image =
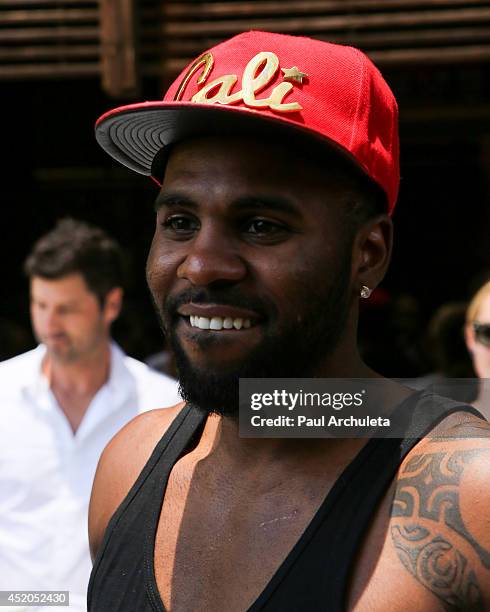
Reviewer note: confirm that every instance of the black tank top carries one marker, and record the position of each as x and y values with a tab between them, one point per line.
314	575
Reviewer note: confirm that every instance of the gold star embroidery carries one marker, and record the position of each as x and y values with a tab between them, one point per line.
294	74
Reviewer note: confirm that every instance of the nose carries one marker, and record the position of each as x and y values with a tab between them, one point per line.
212	258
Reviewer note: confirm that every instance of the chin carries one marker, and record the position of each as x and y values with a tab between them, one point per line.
210	391
215	363
58	355
483	373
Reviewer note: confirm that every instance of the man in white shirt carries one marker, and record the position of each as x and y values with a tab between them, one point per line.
60	405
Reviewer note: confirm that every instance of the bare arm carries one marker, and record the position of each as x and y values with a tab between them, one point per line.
120	465
440	524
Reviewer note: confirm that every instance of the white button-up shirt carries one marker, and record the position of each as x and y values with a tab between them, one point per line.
46	471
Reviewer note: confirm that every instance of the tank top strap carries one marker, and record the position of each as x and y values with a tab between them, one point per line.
164	455
140	503
426	413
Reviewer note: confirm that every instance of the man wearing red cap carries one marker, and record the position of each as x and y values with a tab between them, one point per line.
278	163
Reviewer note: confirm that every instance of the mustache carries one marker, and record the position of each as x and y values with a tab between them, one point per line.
46	337
223	297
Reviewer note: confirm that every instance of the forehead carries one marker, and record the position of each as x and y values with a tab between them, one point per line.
240	161
71	286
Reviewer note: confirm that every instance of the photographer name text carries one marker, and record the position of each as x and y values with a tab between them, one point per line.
322	421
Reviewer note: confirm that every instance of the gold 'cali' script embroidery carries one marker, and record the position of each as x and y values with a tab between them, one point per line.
258	73
205	60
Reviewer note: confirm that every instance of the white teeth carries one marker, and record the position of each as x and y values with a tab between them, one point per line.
218	323
203	323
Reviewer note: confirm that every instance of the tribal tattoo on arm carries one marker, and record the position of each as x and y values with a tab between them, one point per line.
429	533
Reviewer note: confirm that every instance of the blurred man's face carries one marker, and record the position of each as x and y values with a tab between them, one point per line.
67	317
480	350
249	267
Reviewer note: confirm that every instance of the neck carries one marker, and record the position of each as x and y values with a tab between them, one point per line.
345	362
221	434
83	376
221	438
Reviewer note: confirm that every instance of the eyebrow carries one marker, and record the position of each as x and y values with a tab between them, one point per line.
257	202
171	199
69	304
265	202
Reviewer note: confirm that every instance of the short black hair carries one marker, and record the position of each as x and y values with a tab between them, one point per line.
74	246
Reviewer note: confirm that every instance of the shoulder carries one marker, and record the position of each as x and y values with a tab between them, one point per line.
14	371
35	355
439	519
144	374
153	388
461	433
120	465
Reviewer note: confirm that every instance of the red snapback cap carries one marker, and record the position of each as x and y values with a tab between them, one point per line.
331	92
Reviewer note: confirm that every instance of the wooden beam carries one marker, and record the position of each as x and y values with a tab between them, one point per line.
274	7
6	4
434	56
60	52
365	40
52	33
397	57
49	71
118	39
337	22
48	16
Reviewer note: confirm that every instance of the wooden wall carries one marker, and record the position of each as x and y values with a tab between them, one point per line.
122	40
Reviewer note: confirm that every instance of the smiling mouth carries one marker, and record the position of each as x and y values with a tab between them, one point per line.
219	323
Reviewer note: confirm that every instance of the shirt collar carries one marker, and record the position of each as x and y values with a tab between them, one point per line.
118	383
33	378
120	378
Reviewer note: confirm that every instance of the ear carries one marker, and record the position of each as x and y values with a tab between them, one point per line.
113	304
372	252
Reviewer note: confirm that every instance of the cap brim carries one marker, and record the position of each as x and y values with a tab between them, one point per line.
134	135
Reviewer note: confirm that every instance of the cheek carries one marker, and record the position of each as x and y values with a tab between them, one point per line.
35	319
319	259
161	268
40	321
297	276
80	325
481	361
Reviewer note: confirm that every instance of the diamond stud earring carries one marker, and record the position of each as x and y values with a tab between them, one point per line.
365	291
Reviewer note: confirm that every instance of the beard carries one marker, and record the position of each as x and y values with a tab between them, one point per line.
293	351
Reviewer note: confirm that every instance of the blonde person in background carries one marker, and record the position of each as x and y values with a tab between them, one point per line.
477	335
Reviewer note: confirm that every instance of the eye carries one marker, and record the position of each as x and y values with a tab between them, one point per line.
181	224
265	229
